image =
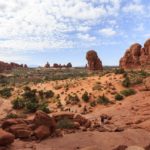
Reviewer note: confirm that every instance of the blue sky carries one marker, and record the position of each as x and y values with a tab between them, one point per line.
62	31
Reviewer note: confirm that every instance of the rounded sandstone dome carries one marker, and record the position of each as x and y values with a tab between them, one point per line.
91	55
136	49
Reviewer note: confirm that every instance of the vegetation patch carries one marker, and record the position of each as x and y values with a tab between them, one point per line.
103	100
6	92
30	101
65	123
85	97
128	92
118	97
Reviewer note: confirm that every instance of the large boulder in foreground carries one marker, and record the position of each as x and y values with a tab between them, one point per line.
136	57
42	118
6	138
94	63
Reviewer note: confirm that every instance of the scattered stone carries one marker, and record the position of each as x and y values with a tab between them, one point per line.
6	138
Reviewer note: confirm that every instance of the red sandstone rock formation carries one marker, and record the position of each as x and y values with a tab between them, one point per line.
69	65
6	66
47	65
136	57
94	63
55	65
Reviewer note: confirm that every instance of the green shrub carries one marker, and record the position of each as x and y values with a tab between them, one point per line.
29	95
44	107
49	94
126	82
85	97
119	71
72	99
6	92
31	107
128	92
93	103
18	103
41	94
118	97
103	100
65	124
11	116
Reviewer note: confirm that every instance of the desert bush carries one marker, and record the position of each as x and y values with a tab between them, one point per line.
144	73
41	94
5	92
11	116
85	97
18	103
65	124
128	92
29	95
119	71
118	97
49	94
72	99
59	104
31	107
126	82
93	103
103	100
44	107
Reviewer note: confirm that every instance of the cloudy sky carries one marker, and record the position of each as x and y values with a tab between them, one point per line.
37	31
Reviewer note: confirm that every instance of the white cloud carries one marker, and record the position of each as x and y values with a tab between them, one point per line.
51	19
86	37
107	32
134	7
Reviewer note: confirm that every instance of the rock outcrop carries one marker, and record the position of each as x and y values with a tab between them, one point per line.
94	63
6	138
9	66
47	65
69	65
136	57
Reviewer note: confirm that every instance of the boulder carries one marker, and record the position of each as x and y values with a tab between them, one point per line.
82	121
62	115
21	130
42	118
94	63
42	132
6	138
9	122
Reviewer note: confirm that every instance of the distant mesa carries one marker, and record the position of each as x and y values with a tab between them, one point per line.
9	66
136	57
94	63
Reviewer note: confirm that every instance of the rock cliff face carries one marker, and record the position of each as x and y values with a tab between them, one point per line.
6	66
94	63
136	57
